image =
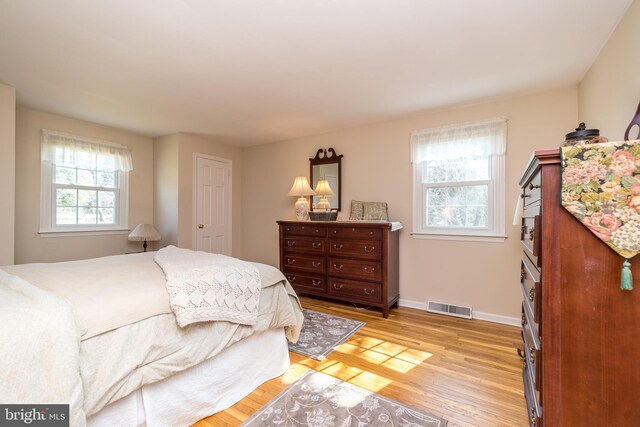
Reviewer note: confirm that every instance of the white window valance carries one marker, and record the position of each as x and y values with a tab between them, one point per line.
52	140
477	139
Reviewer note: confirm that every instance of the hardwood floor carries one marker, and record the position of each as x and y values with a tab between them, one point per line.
467	372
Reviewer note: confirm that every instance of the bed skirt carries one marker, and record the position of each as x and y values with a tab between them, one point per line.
207	388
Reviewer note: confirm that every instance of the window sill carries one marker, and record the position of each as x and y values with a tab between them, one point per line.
47	234
460	237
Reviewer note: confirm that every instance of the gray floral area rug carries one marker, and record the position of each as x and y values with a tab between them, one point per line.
322	332
318	400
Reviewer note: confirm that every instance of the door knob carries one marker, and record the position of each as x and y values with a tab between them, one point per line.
200	225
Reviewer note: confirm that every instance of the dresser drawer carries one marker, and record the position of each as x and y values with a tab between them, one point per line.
533	405
355	248
354	290
355	233
530	237
304	244
357	269
301	282
533	356
531	288
304	230
531	192
308	263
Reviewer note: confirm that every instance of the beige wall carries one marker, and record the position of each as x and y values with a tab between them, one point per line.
190	144
165	188
610	91
29	246
7	172
483	275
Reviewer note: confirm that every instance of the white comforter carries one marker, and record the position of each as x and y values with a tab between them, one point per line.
119	353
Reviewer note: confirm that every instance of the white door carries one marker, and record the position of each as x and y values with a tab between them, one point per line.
212	204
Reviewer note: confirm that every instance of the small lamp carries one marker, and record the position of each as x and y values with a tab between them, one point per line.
301	189
146	233
323	189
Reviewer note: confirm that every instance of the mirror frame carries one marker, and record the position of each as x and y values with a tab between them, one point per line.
324	157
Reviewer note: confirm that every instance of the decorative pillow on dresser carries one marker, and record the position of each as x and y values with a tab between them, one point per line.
356	210
375	211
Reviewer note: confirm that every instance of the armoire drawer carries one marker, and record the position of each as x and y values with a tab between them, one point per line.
531	288
367	270
533	405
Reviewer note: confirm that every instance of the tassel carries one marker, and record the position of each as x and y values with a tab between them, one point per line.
627	280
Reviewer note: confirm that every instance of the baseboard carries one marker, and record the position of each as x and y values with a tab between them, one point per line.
479	315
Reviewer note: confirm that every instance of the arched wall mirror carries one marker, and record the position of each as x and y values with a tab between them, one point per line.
326	165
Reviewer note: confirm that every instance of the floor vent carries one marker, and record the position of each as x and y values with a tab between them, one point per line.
450	309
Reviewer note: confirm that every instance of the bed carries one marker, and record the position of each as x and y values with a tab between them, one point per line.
101	335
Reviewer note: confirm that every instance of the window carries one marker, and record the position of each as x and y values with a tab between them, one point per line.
458	190
84	184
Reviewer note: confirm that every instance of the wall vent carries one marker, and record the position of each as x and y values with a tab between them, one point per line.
450	309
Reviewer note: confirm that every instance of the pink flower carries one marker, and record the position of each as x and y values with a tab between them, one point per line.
584	172
624	163
602	225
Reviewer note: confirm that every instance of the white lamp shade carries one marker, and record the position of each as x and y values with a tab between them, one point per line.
144	232
323	188
301	187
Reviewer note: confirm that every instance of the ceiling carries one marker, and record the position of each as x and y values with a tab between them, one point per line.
255	71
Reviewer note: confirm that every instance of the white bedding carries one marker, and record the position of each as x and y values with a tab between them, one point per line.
130	339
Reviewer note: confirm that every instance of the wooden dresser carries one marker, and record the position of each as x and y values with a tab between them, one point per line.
581	332
350	261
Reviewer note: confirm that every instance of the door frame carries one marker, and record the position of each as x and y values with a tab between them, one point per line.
194	199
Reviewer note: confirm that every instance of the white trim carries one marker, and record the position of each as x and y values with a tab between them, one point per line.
194	192
497	318
477	315
47	234
459	237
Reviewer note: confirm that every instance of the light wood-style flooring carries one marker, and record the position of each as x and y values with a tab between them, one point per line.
467	372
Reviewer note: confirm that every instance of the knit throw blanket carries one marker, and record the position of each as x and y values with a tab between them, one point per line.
205	287
601	188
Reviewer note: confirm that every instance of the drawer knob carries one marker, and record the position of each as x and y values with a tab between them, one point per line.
369	291
337	286
369	249
533	417
532	294
335	231
316	282
371	233
291	278
287	229
531	232
531	186
291	243
520	353
522	196
532	356
523	275
523	319
369	270
316	245
291	261
337	247
315	264
338	267
317	230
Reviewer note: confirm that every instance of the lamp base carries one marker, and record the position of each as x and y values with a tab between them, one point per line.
302	209
323	204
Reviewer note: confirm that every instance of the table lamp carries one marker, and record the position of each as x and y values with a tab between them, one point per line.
301	189
146	233
323	189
